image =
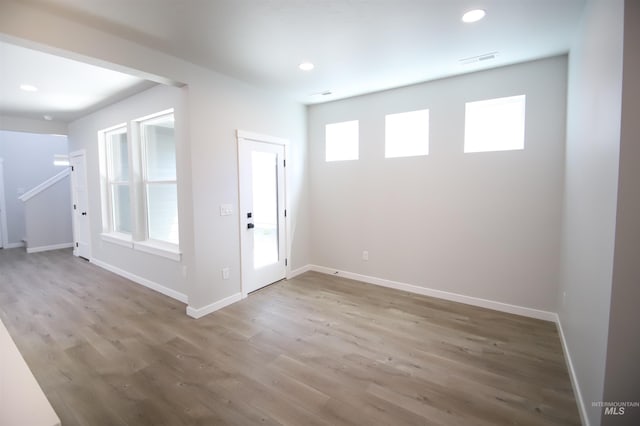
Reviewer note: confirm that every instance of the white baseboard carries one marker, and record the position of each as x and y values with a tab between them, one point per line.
454	297
47	248
294	273
14	245
142	281
200	312
582	409
206	310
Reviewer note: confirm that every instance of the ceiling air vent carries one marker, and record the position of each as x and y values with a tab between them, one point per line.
325	93
480	58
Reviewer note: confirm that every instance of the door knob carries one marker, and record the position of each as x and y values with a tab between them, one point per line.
250	226
84	213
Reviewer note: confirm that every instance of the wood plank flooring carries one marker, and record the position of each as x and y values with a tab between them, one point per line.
314	350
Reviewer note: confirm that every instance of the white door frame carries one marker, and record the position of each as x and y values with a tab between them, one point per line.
4	241
256	137
79	153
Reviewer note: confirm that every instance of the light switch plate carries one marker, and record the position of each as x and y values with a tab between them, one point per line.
226	209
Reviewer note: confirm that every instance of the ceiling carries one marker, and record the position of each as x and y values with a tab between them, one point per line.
357	46
66	89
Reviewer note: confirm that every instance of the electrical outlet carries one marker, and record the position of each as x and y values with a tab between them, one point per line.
225	273
365	255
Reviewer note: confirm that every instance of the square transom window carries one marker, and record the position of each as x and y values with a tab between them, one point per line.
407	134
341	141
495	124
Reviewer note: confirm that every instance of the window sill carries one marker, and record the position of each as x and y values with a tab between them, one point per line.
158	248
168	251
123	240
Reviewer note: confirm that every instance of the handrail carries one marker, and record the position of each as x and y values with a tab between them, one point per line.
44	185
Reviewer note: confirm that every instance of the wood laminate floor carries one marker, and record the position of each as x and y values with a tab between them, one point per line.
314	350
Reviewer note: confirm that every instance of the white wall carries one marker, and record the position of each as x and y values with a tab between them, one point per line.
83	135
622	373
591	187
48	218
485	224
28	161
216	107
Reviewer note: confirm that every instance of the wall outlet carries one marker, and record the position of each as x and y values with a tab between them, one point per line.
365	255
225	273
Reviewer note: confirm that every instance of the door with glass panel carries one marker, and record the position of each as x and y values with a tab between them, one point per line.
262	212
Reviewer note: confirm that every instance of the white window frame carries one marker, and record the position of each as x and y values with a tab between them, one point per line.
389	137
473	133
147	243
139	237
106	165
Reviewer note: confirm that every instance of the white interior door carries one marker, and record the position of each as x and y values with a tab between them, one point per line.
262	212
81	226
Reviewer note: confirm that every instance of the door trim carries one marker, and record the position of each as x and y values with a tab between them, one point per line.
3	209
257	137
241	134
80	153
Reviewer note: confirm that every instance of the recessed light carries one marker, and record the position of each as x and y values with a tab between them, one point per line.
28	88
306	66
47	117
473	15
